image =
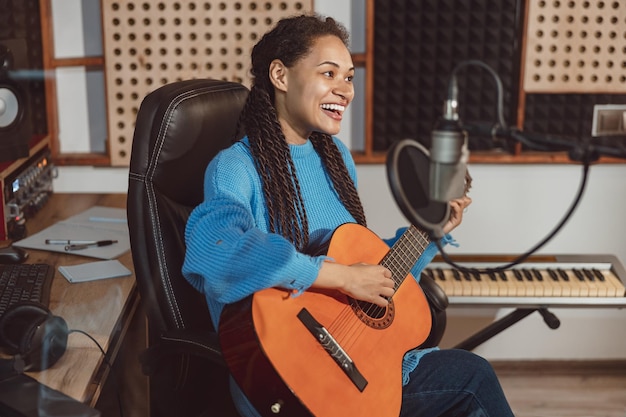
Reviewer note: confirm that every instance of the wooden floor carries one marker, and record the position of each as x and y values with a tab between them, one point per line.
565	389
534	389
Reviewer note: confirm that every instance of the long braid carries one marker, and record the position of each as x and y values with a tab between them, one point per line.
270	150
336	167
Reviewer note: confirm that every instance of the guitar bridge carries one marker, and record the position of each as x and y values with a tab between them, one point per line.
332	347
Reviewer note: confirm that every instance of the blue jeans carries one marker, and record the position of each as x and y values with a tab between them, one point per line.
454	383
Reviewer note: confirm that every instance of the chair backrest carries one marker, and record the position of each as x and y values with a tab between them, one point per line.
180	127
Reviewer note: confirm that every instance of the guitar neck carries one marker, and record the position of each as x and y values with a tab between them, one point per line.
404	253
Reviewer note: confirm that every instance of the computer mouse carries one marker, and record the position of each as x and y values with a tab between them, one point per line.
12	255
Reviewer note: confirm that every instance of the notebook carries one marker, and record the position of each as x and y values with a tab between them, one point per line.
91	271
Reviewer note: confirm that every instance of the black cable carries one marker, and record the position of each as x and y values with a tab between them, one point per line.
525	256
108	363
453	88
586	154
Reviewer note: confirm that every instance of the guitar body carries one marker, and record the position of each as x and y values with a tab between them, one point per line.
271	350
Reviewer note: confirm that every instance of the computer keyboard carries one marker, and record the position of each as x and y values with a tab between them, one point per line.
25	282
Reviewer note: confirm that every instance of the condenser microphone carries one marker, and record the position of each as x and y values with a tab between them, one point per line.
448	155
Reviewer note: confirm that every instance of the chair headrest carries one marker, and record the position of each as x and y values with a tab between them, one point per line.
180	128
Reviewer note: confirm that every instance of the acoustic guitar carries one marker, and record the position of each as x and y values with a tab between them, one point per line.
323	353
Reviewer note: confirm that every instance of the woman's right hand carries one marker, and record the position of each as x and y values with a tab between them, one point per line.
370	283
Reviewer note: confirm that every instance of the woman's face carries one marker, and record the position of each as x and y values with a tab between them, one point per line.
316	91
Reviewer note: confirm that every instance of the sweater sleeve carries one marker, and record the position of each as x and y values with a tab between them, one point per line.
228	255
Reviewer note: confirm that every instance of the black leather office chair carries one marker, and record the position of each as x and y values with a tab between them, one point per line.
180	127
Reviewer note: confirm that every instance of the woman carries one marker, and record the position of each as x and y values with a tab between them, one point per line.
286	186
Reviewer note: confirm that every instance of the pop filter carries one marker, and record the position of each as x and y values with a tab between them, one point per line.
408	173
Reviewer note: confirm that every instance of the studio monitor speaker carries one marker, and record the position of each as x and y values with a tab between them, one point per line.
16	127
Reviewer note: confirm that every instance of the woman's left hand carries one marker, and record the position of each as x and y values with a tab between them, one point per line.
456	213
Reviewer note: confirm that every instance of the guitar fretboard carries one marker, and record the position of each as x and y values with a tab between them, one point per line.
404	253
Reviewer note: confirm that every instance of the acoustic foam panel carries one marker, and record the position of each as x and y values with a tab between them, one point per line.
568	115
417	45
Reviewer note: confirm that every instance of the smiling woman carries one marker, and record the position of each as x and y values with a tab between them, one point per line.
272	199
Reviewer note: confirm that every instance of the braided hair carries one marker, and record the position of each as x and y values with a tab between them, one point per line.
289	41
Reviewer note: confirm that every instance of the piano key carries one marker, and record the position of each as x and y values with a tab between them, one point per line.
573	283
615	286
589	275
598	274
536	281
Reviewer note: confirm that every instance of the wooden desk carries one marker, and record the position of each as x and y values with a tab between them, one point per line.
102	308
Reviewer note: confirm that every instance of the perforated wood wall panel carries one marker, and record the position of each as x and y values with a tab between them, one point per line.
576	47
150	43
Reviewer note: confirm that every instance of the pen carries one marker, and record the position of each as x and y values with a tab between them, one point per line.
68	242
106	219
72	247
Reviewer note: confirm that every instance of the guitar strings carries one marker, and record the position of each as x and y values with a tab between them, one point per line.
347	328
401	259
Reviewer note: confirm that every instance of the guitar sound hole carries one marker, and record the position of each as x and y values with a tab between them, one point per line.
372	310
373	315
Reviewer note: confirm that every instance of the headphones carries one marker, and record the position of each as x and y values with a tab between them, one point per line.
34	335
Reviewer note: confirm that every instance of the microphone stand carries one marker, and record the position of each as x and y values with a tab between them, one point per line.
584	152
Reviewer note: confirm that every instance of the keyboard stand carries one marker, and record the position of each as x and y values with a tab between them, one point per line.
504	323
526	305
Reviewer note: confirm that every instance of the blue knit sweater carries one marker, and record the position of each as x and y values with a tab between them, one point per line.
230	252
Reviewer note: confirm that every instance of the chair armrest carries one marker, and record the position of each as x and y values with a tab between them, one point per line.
436	297
182	342
438	302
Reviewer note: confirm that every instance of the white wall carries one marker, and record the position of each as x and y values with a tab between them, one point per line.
514	207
